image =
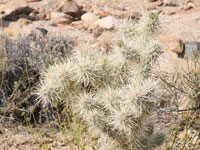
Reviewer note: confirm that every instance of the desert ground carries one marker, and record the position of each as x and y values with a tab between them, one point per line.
95	22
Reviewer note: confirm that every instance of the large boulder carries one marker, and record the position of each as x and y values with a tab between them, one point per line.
13	13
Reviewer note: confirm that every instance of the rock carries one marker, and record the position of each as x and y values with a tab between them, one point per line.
107	22
55	15
20	139
42	30
61	18
97	32
30	1
33	14
24	21
175	46
103	13
89	17
26	17
171	3
93	27
40	16
188	6
12	14
48	16
155	5
70	7
172	44
120	14
62	21
107	37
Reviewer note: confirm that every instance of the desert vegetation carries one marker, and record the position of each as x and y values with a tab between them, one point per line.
73	94
113	93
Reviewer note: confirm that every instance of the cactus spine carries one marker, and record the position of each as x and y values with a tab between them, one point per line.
115	92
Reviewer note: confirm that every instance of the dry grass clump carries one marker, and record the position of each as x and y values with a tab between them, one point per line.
183	96
22	60
113	93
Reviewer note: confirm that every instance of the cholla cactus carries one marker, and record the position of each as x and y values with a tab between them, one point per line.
138	43
87	70
112	93
121	113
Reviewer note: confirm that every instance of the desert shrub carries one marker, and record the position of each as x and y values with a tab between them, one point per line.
22	60
113	93
182	105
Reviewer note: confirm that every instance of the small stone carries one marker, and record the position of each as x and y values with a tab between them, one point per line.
48	16
55	15
42	30
102	13
97	32
120	14
33	14
41	16
93	27
70	7
62	21
155	5
124	14
172	44
89	17
20	139
171	3
107	22
61	18
107	37
24	21
42	10
188	6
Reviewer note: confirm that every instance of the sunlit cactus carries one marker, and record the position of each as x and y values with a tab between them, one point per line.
120	113
56	84
113	93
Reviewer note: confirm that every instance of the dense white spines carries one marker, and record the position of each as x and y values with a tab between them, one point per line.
114	93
